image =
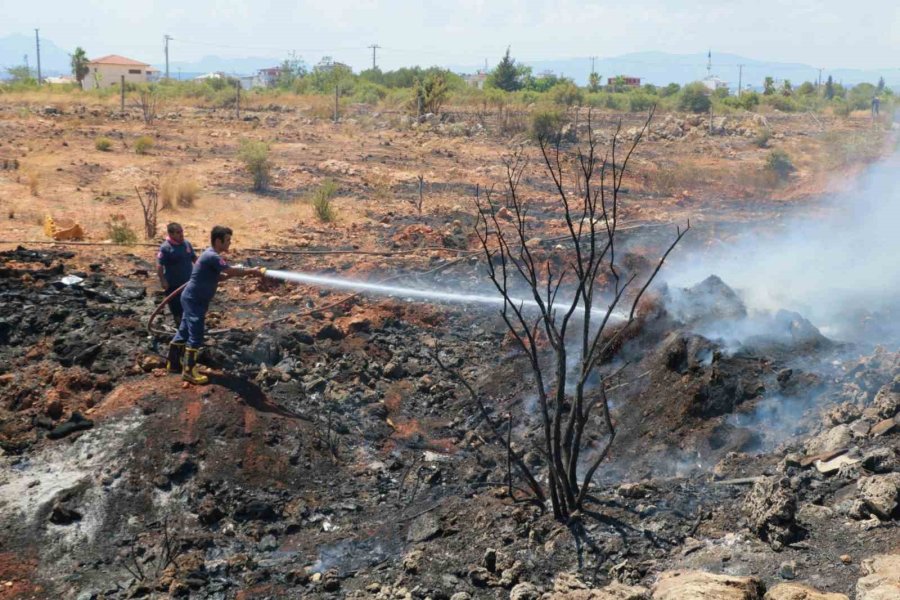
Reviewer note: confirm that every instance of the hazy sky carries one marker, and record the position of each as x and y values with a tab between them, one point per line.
827	33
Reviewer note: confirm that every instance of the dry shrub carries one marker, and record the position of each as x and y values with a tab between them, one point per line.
321	107
103	144
176	190
673	179
381	188
119	231
143	144
34	181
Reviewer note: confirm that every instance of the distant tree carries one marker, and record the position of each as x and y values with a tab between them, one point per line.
786	88
768	86
594	82
506	75
20	74
670	90
807	88
695	98
829	88
880	84
292	69
542	82
618	83
79	64
328	74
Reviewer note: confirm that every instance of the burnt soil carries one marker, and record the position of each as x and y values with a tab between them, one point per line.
331	457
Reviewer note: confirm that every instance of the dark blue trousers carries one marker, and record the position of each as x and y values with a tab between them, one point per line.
193	322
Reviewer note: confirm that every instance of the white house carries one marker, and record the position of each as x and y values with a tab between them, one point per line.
108	71
713	83
476	80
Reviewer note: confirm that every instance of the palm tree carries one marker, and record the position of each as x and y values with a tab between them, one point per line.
79	64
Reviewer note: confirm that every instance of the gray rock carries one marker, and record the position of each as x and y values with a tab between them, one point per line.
833	439
524	591
881	494
771	509
423	528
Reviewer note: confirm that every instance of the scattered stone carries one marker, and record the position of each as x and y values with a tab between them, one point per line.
489	561
881	494
771	508
881	580
524	591
76	422
634	491
846	559
880	460
329	332
267	544
461	596
423	528
883	428
832	440
412	561
788	570
795	591
697	585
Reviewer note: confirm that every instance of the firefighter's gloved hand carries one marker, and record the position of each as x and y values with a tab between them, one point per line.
262	272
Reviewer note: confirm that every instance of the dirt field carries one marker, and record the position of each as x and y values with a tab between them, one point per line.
330	456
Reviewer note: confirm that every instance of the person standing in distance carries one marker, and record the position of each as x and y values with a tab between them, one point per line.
209	269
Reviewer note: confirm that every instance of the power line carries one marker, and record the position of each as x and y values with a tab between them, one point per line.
374	47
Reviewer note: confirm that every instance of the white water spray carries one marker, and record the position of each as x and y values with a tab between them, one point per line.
409	292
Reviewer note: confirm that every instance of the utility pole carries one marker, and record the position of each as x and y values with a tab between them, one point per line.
37	41
740	79
167	37
819	80
374	47
593	59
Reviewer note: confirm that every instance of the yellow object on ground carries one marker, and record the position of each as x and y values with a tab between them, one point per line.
62	230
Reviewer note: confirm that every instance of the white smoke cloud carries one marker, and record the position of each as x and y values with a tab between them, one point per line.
838	265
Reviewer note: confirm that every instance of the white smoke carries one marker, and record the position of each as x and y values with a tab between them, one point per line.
838	265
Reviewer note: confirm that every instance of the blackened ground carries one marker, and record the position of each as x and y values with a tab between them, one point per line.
332	457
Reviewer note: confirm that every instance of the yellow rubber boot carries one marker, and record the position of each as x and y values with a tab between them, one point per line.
190	371
174	359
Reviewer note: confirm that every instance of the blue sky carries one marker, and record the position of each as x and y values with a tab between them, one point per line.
831	34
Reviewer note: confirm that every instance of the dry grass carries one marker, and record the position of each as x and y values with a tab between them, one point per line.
33	180
178	191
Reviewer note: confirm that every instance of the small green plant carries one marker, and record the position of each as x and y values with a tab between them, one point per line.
103	144
840	108
779	163
321	201
143	144
546	124
255	156
761	140
119	231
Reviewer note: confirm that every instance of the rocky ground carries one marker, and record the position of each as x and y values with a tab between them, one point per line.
332	458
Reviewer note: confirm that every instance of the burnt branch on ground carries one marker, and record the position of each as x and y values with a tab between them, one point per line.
588	185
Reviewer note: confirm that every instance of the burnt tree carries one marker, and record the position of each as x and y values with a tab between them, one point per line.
597	306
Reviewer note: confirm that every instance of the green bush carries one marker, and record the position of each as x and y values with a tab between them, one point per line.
255	156
321	201
779	163
566	94
143	144
103	144
119	231
546	124
784	103
640	102
840	108
761	140
368	93
695	98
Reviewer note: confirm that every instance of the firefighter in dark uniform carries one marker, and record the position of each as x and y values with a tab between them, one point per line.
209	269
174	263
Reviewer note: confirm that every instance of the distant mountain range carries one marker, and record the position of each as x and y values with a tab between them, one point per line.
658	68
